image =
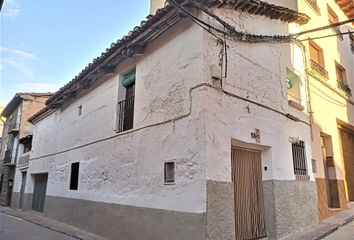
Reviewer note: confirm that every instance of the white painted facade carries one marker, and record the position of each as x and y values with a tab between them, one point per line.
132	172
180	114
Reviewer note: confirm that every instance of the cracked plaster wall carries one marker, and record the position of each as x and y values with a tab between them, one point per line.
256	72
128	169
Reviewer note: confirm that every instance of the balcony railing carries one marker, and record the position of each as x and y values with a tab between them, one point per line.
337	31
8	156
344	87
23	160
125	114
13	126
318	69
313	4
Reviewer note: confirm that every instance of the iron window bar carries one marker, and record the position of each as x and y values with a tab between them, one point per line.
125	114
318	68
299	158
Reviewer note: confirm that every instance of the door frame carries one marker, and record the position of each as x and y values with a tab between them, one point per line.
23	187
36	190
341	126
259	206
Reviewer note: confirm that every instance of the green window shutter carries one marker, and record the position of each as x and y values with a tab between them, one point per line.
128	79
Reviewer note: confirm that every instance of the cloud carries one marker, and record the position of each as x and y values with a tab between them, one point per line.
26	70
19	53
11	9
37	87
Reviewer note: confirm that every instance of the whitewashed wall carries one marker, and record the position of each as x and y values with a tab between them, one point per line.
128	169
257	72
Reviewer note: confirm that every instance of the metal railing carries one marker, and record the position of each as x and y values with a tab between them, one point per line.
313	4
318	68
13	126
125	114
344	87
337	30
23	160
8	156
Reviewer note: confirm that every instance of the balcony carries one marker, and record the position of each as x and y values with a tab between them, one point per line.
125	114
8	157
13	127
344	87
318	69
23	160
313	4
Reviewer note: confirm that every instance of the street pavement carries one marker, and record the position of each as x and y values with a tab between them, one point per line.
13	228
344	233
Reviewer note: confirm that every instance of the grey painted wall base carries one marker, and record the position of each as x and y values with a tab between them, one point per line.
15	200
122	222
27	201
290	206
220	211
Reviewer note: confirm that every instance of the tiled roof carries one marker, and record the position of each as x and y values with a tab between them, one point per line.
16	100
150	29
261	8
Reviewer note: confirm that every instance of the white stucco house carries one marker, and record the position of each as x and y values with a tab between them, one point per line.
182	129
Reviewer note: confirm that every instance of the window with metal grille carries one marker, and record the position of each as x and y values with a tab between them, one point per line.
299	158
74	178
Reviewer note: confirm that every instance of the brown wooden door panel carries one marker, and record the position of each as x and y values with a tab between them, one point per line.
347	139
249	199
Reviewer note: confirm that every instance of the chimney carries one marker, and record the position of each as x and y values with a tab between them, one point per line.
156	4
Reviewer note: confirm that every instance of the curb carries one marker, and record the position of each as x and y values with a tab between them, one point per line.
42	225
334	229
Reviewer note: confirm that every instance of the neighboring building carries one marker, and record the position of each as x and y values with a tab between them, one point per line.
330	69
174	134
2	121
16	137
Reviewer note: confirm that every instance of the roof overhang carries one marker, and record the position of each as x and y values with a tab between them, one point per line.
17	99
136	41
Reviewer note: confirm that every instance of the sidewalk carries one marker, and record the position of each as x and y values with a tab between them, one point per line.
38	219
326	227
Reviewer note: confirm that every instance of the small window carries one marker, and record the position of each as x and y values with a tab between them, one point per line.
351	38
299	158
333	18
314	166
74	178
169	172
1	181
80	110
316	54
340	73
293	85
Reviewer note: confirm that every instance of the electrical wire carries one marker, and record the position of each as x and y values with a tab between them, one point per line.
333	25
326	36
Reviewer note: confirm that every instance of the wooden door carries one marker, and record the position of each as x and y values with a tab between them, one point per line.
39	191
249	199
347	139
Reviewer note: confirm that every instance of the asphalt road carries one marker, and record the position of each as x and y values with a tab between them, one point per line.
344	233
12	228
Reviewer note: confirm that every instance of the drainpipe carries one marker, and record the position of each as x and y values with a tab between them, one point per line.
307	83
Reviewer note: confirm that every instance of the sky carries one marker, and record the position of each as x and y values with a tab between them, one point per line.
46	43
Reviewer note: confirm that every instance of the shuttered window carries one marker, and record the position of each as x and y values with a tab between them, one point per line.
299	158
